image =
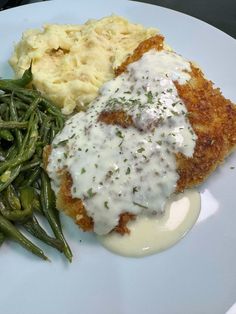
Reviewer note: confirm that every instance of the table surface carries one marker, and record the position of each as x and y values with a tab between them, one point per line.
219	13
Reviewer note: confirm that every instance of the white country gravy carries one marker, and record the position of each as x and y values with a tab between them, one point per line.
150	235
115	169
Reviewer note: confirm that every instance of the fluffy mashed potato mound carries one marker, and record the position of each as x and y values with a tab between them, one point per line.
71	62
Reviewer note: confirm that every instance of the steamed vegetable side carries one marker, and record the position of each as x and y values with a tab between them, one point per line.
28	122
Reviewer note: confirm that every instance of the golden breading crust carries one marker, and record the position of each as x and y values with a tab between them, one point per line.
212	117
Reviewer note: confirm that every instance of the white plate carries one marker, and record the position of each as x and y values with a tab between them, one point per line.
198	275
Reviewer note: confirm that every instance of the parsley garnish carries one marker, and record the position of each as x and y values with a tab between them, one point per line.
135	189
106	204
128	170
140	205
140	150
90	193
149	96
62	143
119	133
82	171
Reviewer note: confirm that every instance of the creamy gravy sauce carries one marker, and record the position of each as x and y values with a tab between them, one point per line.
116	170
151	235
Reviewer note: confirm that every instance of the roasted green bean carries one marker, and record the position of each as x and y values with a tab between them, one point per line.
13	125
2	238
28	122
32	226
48	205
13	233
12	197
6	135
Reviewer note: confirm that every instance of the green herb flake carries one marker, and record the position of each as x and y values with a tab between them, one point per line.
128	170
82	171
140	150
149	96
106	205
135	189
119	134
90	193
140	205
62	143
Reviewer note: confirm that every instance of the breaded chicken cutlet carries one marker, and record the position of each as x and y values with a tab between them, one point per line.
212	117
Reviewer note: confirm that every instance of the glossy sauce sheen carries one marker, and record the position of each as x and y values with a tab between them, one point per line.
114	169
151	235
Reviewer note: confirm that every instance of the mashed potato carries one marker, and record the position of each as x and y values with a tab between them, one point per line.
71	62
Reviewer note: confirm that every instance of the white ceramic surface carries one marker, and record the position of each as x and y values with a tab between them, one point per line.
196	276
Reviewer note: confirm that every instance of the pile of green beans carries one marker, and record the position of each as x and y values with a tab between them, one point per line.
28	122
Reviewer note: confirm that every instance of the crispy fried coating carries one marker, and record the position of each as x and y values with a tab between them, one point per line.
155	42
212	117
74	208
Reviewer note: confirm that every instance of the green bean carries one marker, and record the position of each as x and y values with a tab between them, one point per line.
4	95
32	226
8	177
30	165
12	151
13	125
15	214
19	180
52	134
44	131
18	103
29	95
24	154
2	238
24	98
23	81
37	205
31	108
23	93
31	138
33	177
6	135
12	198
12	232
2	156
48	206
14	117
4	110
34	121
